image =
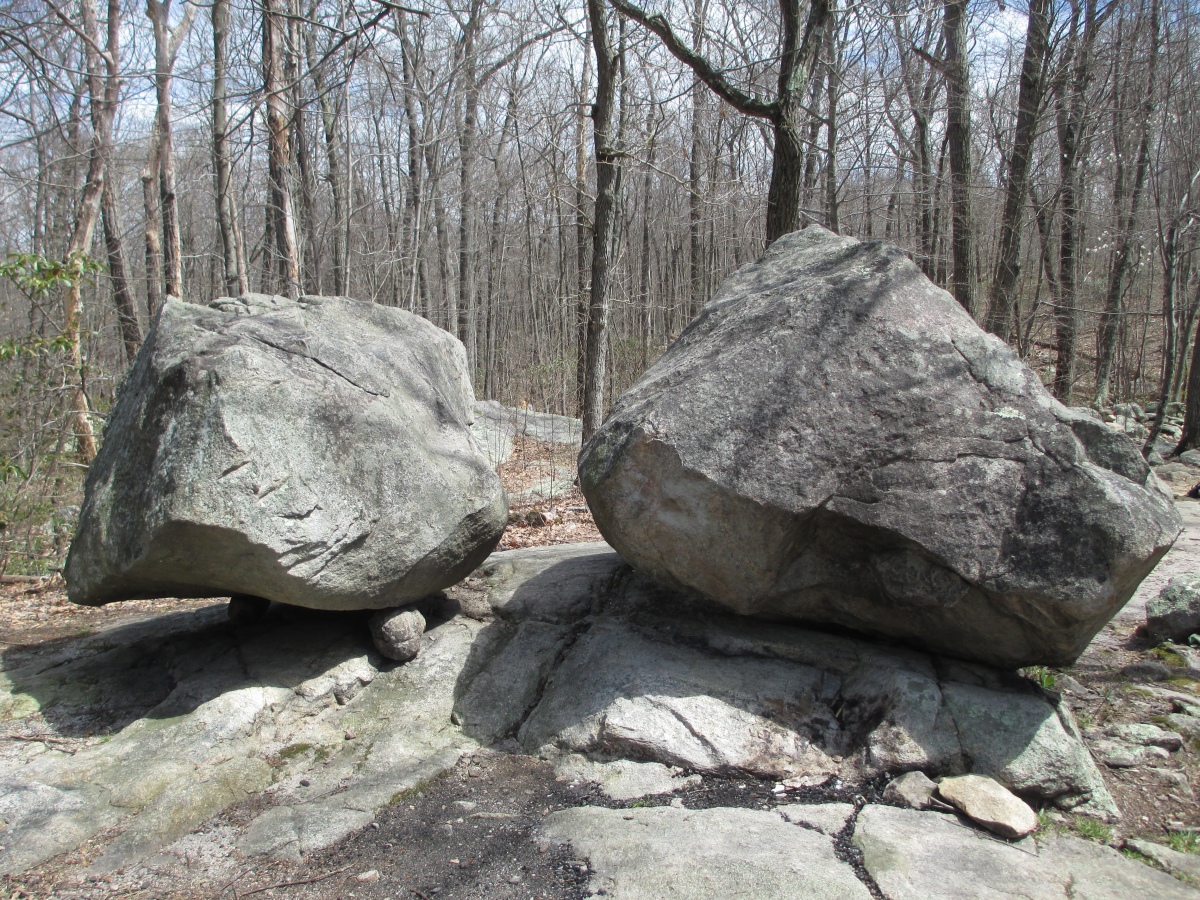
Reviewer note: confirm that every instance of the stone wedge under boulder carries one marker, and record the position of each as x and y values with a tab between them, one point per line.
315	452
834	440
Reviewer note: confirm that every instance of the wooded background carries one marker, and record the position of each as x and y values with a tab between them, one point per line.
563	185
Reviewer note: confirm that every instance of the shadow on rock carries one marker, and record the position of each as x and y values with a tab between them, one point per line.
586	656
169	665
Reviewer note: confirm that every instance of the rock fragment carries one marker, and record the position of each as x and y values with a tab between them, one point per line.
929	856
397	632
912	789
1185	864
709	854
990	804
1174	614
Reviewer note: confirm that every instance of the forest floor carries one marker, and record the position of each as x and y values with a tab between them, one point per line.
472	832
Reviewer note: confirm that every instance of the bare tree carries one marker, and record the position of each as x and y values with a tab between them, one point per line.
282	221
233	261
608	189
800	46
1000	320
166	45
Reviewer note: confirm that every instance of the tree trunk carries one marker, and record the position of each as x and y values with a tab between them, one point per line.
583	235
159	13
131	331
695	175
103	79
278	149
1126	208
832	65
152	227
336	162
1001	314
466	159
1071	110
1169	249
608	186
233	262
958	139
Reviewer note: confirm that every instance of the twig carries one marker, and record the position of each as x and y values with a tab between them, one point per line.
229	883
313	880
23	579
47	739
419	894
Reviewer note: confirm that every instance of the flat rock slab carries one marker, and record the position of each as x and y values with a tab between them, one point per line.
314	452
300	723
833	439
298	713
915	855
626	779
827	818
496	425
614	666
664	853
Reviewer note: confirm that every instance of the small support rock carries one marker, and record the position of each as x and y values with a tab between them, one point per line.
246	609
397	632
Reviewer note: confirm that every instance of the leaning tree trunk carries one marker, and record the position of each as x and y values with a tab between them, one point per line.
131	331
103	74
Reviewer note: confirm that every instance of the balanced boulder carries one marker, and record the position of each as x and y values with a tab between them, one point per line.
314	452
834	440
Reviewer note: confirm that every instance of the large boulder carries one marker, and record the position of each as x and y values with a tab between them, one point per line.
834	440
315	452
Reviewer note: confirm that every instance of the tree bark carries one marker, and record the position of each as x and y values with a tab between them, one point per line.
958	139
1126	208
279	149
466	159
608	186
233	262
152	226
103	79
159	14
1001	313
583	235
336	162
832	66
1071	109
131	331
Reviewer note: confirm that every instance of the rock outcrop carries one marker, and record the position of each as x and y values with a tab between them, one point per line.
559	651
588	657
314	452
1175	613
834	440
